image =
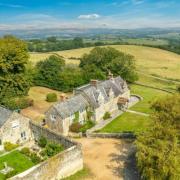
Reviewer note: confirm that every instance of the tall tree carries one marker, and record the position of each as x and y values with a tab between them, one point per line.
13	59
158	150
108	58
48	72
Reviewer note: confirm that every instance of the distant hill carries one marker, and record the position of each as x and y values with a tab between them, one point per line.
149	60
73	32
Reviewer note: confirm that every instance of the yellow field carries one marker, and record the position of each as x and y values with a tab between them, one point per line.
149	60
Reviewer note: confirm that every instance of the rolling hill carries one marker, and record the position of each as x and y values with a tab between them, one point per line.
149	60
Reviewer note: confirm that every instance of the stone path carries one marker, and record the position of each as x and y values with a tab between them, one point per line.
136	112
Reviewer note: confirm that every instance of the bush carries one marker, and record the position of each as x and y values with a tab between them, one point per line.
11	174
10	146
42	142
35	158
178	88
51	97
75	127
86	126
18	103
52	149
106	116
26	151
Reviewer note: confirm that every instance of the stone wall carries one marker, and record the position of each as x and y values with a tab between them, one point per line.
59	166
112	135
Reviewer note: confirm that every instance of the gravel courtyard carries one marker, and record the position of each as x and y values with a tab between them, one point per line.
105	157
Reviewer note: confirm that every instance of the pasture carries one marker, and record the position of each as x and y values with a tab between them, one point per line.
148	60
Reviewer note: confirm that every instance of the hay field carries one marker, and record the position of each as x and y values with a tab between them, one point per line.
148	60
40	106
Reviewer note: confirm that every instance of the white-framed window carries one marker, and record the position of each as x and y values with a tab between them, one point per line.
53	117
15	124
23	135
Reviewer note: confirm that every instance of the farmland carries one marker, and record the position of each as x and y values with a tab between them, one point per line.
148	60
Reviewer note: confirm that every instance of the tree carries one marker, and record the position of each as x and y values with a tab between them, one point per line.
158	150
48	72
178	88
108	58
13	59
78	42
70	78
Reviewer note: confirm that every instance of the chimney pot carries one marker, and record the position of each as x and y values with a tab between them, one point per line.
94	82
62	97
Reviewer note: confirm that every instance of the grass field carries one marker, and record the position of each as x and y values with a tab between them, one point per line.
149	60
146	41
127	122
149	96
157	83
19	162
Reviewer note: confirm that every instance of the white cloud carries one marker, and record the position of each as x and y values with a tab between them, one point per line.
137	2
11	5
89	16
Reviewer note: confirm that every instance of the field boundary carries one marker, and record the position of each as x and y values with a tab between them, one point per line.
152	87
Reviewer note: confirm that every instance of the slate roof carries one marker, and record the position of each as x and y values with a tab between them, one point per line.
88	95
90	92
71	106
4	115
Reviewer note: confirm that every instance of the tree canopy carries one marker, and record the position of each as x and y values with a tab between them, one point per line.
53	73
107	58
13	59
158	150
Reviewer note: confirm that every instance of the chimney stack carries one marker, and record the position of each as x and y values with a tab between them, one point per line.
62	97
110	76
94	82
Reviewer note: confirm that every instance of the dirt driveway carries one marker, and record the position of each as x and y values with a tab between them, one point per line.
105	157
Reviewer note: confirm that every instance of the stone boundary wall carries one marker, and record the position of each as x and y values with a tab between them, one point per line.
39	131
59	166
112	135
140	84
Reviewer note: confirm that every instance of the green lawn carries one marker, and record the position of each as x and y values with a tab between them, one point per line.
149	96
16	160
127	122
80	175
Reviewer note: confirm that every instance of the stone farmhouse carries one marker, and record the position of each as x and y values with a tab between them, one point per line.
14	127
90	101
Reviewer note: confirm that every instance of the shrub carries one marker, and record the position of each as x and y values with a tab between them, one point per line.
178	88
86	126
35	158
75	127
10	146
18	103
26	151
106	116
10	174
42	142
51	97
52	149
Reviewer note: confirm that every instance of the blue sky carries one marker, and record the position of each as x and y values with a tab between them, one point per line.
32	14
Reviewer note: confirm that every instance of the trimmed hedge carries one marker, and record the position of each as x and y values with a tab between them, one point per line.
51	97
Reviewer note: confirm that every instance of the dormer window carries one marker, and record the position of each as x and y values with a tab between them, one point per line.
53	117
100	99
111	94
